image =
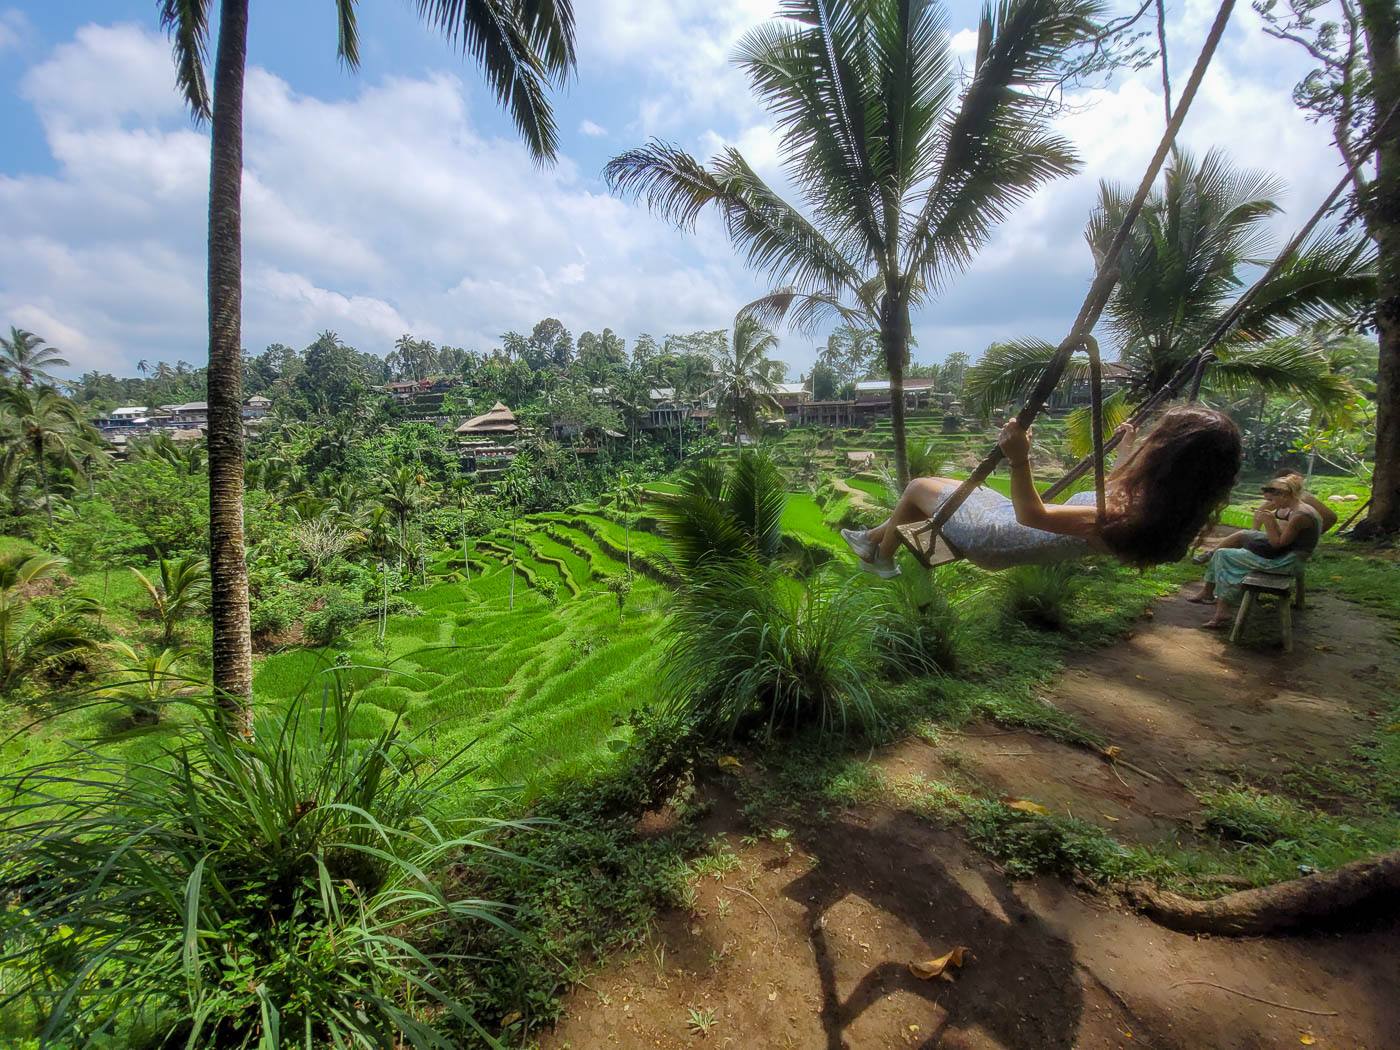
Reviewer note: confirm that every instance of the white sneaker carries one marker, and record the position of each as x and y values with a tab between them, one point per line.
885	568
863	548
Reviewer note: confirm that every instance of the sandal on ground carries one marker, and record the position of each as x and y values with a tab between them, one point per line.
1214	625
1201	599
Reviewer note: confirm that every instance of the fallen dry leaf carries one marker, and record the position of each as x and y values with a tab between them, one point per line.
1394	727
939	967
1024	805
510	1018
1307	1039
1324	648
1111	753
1107	816
730	764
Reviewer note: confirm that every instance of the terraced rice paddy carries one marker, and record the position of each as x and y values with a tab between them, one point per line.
537	685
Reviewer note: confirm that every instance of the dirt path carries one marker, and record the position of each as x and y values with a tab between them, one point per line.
808	945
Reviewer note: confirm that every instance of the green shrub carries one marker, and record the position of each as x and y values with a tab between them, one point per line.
340	615
274	611
1041	596
236	893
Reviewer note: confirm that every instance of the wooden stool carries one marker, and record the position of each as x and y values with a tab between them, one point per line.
1268	583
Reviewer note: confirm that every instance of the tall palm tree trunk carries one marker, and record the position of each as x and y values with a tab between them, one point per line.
228	569
894	336
513	520
1381	21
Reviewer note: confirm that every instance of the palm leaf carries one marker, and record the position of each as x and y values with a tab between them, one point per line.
1292	367
756	496
496	36
995	151
187	23
1079	423
1009	371
1331	279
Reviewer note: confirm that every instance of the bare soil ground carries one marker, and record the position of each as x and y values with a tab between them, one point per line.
806	943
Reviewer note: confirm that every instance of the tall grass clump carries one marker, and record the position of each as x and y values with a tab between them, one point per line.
1041	596
751	654
915	627
751	650
225	892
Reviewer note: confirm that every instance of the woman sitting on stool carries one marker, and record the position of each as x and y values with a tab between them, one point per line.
1286	530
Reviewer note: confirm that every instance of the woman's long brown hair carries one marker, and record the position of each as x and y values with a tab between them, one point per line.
1178	476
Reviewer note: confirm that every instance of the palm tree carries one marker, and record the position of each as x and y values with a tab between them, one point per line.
145	684
183	590
523	47
1180	274
25	355
143	366
903	187
743	378
401	493
29	642
41	425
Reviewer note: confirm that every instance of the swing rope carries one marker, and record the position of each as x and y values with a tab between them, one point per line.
1094	302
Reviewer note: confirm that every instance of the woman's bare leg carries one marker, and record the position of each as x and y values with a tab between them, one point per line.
919	502
1235	539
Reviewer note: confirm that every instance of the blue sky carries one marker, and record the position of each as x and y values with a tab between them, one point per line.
397	199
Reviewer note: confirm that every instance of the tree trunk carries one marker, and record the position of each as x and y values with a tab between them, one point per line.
894	336
228	569
512	563
1381	213
1369	887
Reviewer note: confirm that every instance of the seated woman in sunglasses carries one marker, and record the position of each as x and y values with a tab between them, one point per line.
1287	528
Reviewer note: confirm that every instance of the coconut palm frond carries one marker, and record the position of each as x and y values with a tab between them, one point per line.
801	311
996	150
187	23
1009	371
1330	279
1284	366
1079	428
500	42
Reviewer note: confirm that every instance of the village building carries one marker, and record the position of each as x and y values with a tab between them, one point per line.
486	443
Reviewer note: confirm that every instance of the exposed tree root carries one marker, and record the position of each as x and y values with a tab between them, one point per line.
1370	886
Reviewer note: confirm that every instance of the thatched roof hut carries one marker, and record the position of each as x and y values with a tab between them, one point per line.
499	421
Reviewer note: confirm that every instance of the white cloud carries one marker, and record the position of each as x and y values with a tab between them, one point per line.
392	210
15	29
383	213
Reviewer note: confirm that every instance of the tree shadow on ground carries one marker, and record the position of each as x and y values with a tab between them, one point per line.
1023	987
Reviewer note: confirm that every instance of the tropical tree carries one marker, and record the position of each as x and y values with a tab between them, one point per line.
1181	271
630	495
183	591
25	356
401	493
523	47
743	380
29	642
40	426
903	181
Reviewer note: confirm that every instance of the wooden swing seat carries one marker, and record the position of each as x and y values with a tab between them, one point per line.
927	544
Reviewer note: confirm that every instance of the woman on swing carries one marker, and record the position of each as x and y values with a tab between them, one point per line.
1162	491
